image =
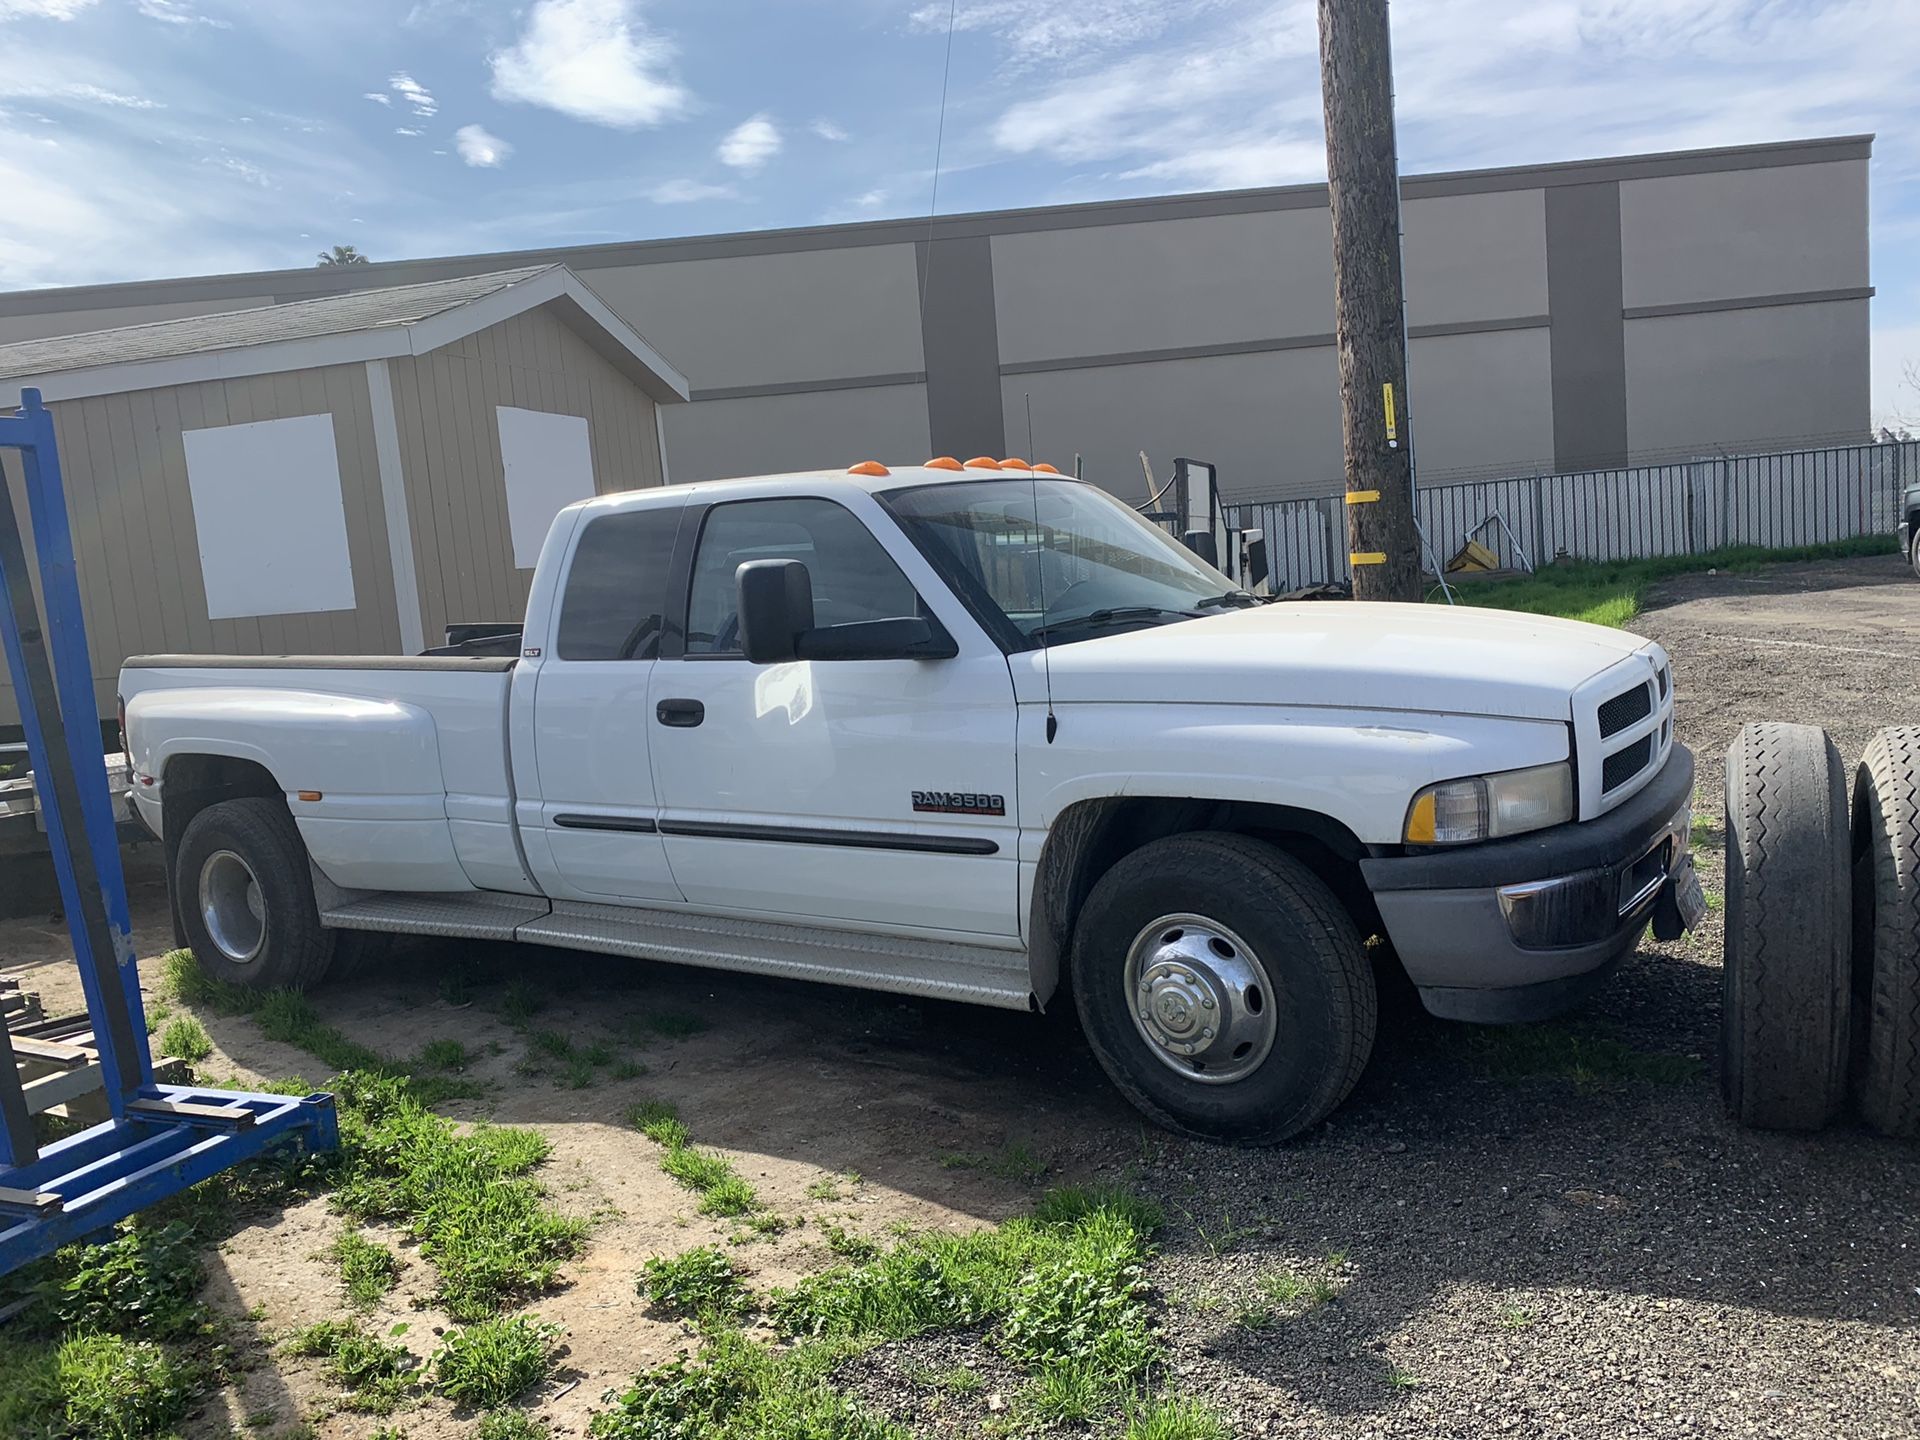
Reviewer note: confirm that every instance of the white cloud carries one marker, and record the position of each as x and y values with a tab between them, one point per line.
245	170
43	9
828	130
407	130
750	144
594	60
688	192
1054	32
379	97
177	12
414	93
478	148
872	200
17	83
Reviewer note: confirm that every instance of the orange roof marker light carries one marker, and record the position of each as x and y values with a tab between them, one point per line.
1045	469
1015	465
868	467
983	462
943	462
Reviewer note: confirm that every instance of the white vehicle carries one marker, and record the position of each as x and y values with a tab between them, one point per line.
977	733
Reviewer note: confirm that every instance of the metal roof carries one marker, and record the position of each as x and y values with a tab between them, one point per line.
270	324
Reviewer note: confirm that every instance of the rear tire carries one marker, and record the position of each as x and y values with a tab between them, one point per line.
245	897
1786	983
1913	550
1886	933
1223	988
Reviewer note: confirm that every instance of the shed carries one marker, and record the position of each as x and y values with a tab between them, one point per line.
343	475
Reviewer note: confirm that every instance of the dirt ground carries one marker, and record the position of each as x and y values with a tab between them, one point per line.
1534	1254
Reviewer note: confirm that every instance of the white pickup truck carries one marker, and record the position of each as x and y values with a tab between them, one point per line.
976	732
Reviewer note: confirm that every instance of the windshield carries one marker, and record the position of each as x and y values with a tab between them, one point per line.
1057	560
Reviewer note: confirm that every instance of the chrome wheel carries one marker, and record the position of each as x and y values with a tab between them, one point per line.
1200	998
232	906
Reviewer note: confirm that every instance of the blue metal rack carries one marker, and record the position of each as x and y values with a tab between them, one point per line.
160	1138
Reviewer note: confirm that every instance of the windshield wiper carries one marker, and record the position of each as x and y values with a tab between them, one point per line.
1115	615
1239	598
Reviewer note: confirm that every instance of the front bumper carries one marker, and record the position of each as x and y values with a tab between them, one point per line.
1521	929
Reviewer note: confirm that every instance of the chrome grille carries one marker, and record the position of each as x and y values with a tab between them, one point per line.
1625	708
1624	764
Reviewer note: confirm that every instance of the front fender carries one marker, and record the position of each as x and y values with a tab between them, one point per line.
1358	767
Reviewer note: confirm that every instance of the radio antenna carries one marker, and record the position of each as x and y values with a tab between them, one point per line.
1040	572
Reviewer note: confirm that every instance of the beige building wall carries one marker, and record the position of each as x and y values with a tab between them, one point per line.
445	404
124	466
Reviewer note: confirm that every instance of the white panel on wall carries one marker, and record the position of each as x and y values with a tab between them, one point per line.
548	461
269	516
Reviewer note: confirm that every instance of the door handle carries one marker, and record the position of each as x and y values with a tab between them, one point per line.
682	713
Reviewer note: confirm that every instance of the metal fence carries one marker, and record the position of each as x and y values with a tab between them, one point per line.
1796	497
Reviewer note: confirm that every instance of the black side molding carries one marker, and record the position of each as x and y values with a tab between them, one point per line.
850	839
633	824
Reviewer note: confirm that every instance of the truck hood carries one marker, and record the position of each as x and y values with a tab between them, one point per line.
1459	660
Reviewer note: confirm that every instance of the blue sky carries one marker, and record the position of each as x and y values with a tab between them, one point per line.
146	138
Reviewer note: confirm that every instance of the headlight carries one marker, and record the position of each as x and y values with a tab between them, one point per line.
1485	807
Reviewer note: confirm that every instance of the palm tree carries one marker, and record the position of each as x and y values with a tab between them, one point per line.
342	255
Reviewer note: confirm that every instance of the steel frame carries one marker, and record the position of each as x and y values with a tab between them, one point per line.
160	1138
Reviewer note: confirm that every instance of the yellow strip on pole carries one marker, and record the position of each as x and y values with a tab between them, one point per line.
1362	497
1368	557
1386	396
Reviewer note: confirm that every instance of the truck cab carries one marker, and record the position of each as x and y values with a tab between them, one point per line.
977	732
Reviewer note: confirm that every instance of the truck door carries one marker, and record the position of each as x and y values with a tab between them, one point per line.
593	831
867	791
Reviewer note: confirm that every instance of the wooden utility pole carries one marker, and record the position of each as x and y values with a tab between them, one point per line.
1356	86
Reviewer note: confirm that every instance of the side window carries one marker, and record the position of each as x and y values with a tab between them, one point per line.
853	576
616	597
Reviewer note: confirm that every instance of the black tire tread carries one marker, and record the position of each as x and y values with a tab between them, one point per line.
299	948
1289	887
1886	956
1786	985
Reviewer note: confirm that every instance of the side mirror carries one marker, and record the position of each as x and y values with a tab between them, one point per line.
1203	544
1256	575
776	604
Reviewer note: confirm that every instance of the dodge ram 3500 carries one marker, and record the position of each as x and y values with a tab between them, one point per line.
971	732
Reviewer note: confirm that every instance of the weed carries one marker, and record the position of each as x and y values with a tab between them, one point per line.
656	1120
628	1069
143	1281
701	1284
847	1245
456	985
578	1073
120	1389
1582	1056
367	1269
510	1425
1064	1394
1173	1418
765	1224
521	1003
488	1364
738	1390
959	1380
467	1197
729	1197
550	1043
374	1374
1014	1161
1400	1380
185	1038
30	1396
1221	1236
826	1189
1516	1317
1070	1204
668	1024
444	1055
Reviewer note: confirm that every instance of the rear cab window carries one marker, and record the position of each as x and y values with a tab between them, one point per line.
614	606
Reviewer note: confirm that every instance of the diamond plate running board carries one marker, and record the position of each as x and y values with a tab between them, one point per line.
466	917
948	970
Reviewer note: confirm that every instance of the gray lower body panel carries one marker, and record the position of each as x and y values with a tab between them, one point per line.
941	969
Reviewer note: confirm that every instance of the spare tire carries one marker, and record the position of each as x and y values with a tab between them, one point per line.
1886	932
1786	983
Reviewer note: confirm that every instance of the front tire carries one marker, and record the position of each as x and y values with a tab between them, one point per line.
245	897
1223	988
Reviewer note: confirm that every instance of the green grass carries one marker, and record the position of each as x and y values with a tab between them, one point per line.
185	1038
1173	1418
521	1003
721	1188
444	1055
367	1269
1015	1161
510	1425
666	1024
698	1284
1069	1204
481	1220
374	1374
958	1380
1401	1380
113	1388
486	1365
1611	594
1283	1293
1560	1051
